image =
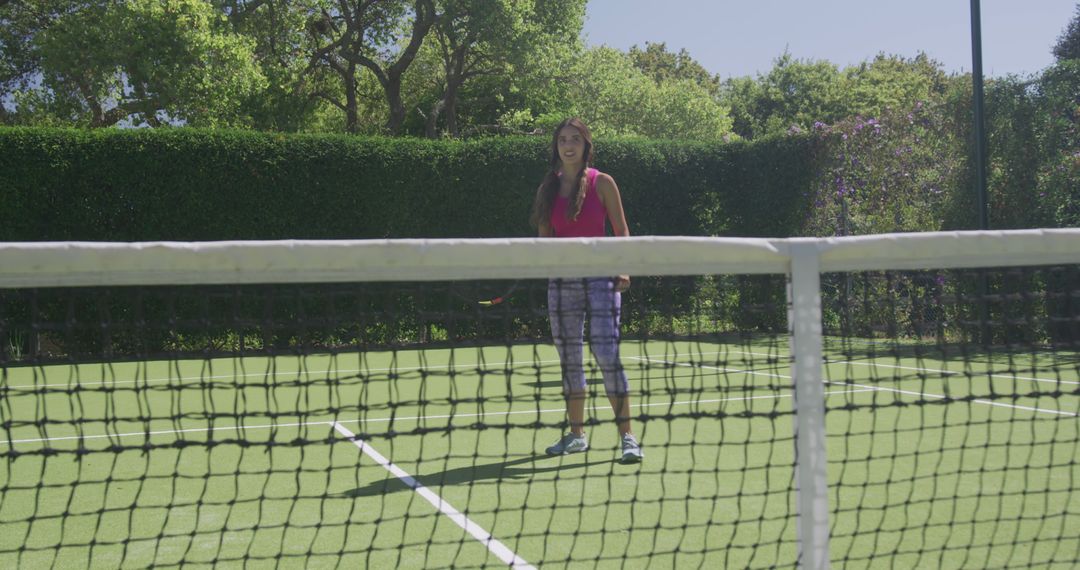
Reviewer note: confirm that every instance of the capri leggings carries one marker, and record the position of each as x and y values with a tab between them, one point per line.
568	302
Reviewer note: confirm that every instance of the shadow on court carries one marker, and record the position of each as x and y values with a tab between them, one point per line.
521	468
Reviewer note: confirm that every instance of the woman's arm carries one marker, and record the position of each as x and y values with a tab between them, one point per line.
612	201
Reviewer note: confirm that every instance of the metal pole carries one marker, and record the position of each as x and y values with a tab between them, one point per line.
985	333
980	130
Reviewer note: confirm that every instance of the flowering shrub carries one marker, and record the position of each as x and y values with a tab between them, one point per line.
1058	177
887	174
912	171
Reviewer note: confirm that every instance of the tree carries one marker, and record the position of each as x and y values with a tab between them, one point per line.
892	82
478	38
663	66
99	63
1058	127
793	93
283	46
616	98
1068	43
801	94
381	36
20	62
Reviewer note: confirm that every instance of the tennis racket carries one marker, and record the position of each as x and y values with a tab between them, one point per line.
485	293
497	300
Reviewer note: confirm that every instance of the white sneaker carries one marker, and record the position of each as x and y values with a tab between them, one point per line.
570	443
631	450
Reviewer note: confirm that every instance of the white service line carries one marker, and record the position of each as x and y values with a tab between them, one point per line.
467	367
304	372
490	368
497	548
395	419
782	358
951	373
920	369
977	401
719	368
868	387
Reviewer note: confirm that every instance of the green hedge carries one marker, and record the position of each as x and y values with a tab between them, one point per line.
187	184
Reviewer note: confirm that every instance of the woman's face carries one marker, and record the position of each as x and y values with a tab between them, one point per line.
571	145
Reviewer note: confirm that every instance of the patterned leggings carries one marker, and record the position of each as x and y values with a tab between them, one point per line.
568	302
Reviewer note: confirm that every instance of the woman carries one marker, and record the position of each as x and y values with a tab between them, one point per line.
574	201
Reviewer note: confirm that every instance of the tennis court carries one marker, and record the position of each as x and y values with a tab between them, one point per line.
354	424
714	490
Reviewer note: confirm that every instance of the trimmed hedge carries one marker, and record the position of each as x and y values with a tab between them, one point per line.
189	184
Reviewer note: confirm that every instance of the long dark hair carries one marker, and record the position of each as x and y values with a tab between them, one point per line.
549	189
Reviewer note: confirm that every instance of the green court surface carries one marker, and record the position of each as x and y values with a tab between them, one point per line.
248	461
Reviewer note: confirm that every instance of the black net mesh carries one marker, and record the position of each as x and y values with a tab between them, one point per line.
409	424
395	425
955	441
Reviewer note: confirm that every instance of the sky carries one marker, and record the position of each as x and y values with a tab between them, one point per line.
736	38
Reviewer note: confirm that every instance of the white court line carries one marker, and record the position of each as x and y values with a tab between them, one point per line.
472	365
977	401
305	372
893	366
497	548
880	388
718	368
182	379
395	419
923	369
951	373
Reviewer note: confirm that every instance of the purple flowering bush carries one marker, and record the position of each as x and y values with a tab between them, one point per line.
885	174
1058	175
1057	185
912	170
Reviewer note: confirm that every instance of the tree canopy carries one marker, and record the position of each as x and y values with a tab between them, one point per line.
1068	43
140	61
430	68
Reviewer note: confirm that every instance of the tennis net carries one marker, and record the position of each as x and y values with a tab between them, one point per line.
901	400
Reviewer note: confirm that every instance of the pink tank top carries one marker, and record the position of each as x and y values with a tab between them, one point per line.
590	222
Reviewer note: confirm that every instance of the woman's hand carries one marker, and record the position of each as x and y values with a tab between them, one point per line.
622	283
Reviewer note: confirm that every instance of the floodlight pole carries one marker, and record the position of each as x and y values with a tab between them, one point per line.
985	334
980	123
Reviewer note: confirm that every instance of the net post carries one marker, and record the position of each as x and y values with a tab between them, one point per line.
811	474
